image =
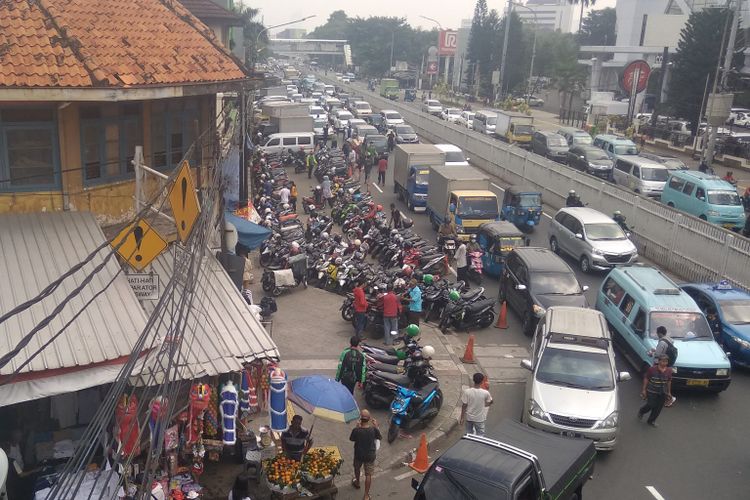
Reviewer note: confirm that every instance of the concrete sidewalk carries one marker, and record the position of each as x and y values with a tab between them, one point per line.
311	334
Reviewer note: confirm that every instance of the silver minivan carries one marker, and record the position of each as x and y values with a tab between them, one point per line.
485	121
572	385
596	241
644	176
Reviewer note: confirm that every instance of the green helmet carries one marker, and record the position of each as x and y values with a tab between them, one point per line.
412	330
427	279
454	295
401	354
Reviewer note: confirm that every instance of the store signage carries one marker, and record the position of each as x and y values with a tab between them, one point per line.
145	285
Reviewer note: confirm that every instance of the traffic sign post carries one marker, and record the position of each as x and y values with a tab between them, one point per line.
634	81
184	201
140	244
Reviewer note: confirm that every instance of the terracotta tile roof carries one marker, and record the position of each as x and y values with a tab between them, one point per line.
206	9
100	43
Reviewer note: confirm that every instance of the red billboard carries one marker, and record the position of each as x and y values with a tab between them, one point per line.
447	43
432	68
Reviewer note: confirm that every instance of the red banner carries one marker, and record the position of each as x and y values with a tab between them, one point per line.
432	68
447	43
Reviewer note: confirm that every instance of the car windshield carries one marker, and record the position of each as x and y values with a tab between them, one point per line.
345	115
403	129
422	177
654	174
680	325
508	244
319	123
452	111
445	484
553	283
377	140
582	370
454	156
604	231
597	155
484	207
735	312
524	130
723	198
433	103
362	105
530	200
393	116
556	140
582	139
626	150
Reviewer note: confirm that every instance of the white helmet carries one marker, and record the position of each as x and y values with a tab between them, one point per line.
351	190
357	243
324	235
572	191
295	245
285	206
262	176
268	218
267	210
311	207
428	351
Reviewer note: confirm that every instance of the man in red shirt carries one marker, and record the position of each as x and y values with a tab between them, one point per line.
382	167
360	308
391	312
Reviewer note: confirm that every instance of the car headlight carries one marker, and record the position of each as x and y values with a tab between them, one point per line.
742	343
538	310
722	372
536	411
712	213
596	251
608	423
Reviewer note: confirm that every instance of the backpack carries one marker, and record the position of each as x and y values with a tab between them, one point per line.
349	366
671	353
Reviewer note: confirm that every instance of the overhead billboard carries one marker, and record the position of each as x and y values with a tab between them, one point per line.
447	42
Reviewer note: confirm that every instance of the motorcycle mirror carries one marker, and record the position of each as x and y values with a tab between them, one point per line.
525	363
623	376
585	287
579	236
520	288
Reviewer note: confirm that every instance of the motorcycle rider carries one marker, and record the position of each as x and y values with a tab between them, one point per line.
310	162
620	219
730	178
573	199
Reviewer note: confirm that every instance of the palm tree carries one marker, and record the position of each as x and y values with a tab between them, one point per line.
585	4
251	27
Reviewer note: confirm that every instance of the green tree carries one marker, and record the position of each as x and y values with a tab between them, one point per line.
696	59
251	27
568	76
598	28
336	28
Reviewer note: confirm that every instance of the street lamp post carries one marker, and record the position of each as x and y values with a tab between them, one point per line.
533	51
257	38
440	27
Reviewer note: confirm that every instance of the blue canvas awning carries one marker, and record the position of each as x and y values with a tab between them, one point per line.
250	234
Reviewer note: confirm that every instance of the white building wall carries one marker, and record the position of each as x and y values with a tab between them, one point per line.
552	15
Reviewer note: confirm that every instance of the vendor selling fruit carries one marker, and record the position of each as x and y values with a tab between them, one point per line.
296	440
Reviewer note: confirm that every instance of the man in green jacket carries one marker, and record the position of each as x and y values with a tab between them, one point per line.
352	367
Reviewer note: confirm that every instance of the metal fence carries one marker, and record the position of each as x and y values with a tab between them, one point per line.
689	247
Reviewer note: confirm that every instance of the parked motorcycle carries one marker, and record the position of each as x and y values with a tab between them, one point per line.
276	281
381	386
464	316
414	406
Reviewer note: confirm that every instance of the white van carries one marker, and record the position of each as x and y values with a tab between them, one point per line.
644	176
485	121
453	154
289	140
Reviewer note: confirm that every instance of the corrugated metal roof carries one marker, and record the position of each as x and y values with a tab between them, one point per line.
221	333
36	249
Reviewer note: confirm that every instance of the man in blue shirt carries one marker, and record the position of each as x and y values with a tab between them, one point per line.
415	302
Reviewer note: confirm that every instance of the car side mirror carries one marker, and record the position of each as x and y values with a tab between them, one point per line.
623	376
525	363
415	483
468	159
579	236
702	198
520	288
582	157
585	287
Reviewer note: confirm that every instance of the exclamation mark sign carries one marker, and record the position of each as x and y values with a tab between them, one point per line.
138	234
184	199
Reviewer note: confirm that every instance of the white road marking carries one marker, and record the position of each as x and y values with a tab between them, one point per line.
655	493
377	187
405	475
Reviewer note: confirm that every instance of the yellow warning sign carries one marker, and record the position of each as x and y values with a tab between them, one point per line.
141	246
184	202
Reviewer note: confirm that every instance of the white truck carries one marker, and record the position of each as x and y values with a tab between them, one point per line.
411	165
515	128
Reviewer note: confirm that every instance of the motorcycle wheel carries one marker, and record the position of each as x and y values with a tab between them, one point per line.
374	402
347	314
487	320
392	431
267	285
276	291
265	259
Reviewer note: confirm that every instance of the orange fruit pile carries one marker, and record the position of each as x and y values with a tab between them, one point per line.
282	471
320	463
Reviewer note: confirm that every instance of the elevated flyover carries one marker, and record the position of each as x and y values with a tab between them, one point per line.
292	47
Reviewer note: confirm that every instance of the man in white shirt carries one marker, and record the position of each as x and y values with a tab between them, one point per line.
284	195
474	404
461	263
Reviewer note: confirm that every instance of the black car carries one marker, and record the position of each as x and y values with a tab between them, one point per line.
550	145
535	279
376	120
592	160
380	142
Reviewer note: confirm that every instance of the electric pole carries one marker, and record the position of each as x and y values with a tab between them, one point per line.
505	49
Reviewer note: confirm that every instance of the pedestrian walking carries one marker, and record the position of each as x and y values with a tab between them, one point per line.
656	390
327	190
391	140
395	221
366	437
415	302
382	168
293	196
352	367
352	158
391	312
664	347
325	134
285	195
462	266
475	403
311	163
360	308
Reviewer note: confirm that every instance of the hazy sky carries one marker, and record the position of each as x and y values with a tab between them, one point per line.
447	12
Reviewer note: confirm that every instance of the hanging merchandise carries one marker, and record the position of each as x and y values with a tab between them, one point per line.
126	424
228	408
159	410
245	389
211	416
277	404
199	399
198	453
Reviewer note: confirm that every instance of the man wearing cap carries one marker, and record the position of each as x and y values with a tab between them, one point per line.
365	436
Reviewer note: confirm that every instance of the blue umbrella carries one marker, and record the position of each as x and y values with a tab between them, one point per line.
323	397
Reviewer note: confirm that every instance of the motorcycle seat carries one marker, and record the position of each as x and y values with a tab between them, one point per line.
384	358
386	349
427	389
471	294
383	367
397	379
479	305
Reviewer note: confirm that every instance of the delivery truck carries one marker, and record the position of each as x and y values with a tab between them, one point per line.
463	192
389	88
411	165
288	116
515	128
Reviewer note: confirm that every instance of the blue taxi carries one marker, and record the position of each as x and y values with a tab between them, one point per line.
728	312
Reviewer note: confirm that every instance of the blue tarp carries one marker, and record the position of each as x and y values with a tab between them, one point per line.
250	234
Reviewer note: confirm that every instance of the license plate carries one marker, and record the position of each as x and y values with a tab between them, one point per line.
571	434
698	382
727	226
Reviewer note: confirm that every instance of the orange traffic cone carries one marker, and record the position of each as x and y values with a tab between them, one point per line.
468	356
420	463
502	320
